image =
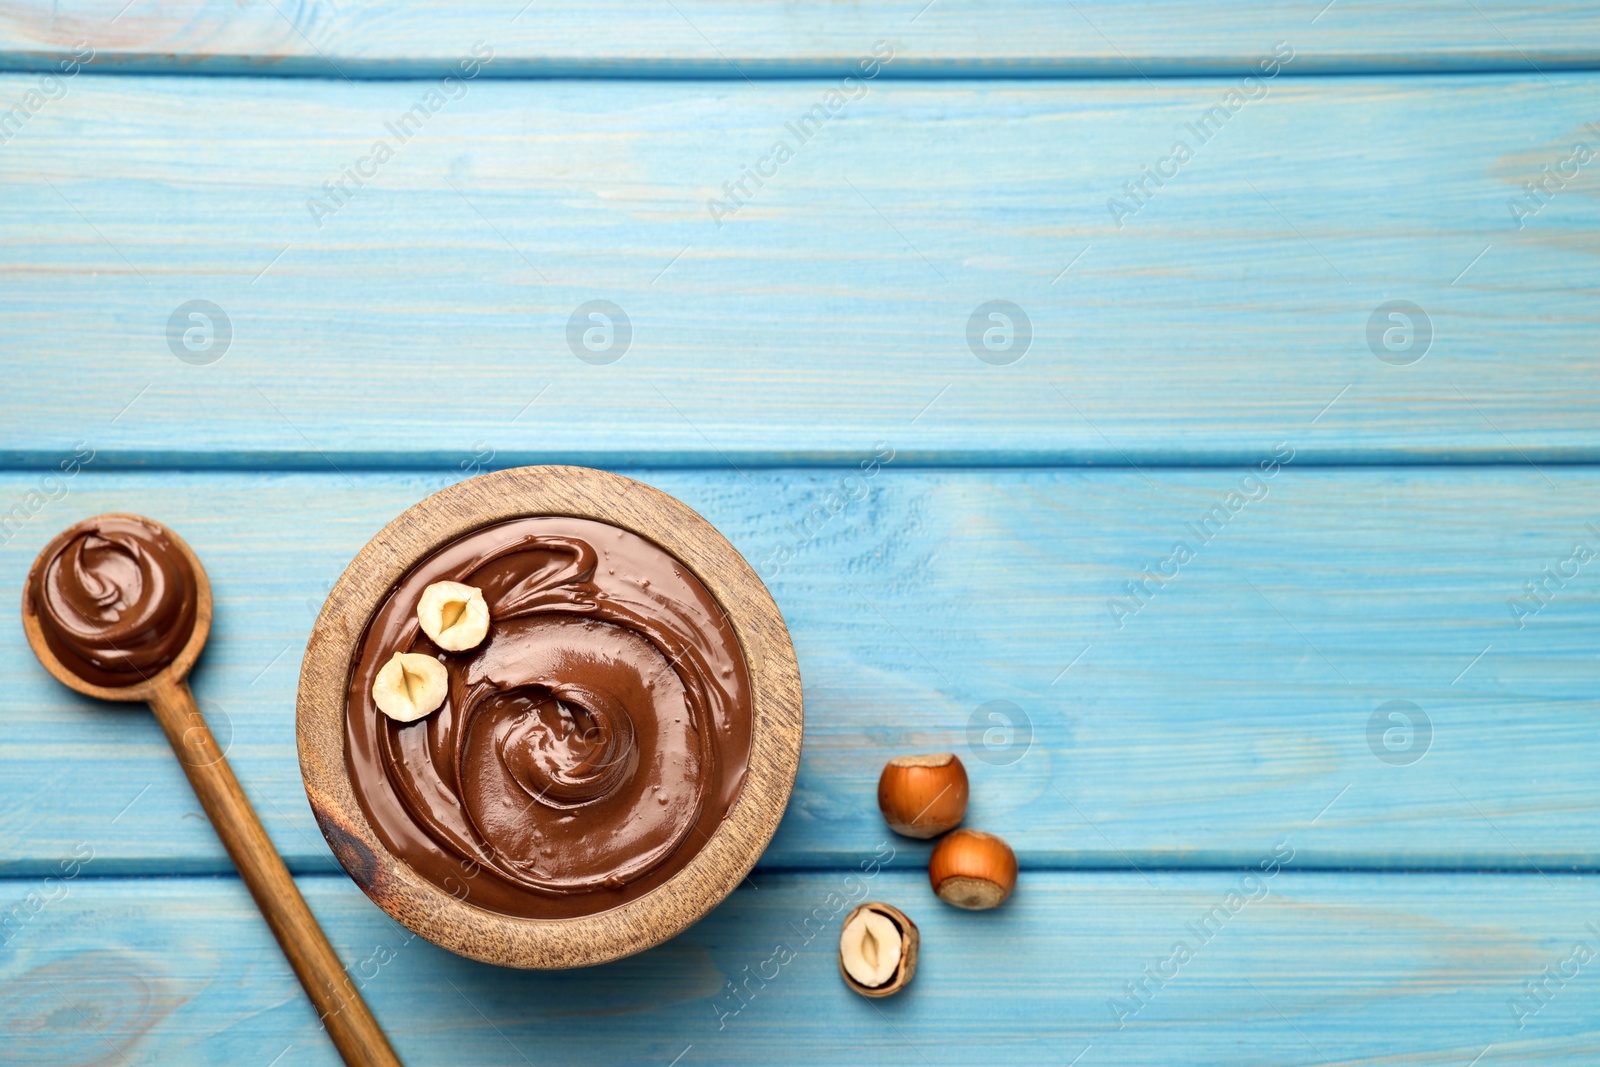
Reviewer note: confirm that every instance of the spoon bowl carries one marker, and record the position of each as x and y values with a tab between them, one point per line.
139	692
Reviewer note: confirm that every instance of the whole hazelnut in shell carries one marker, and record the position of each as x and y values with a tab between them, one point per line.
972	870
923	796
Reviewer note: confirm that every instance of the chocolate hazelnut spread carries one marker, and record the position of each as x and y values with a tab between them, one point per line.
588	748
115	598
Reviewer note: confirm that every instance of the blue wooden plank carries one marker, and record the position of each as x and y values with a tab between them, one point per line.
720	39
429	314
1236	701
1293	969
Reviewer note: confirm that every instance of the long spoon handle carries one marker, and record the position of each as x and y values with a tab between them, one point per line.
345	1015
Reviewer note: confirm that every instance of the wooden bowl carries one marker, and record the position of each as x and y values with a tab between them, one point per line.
708	877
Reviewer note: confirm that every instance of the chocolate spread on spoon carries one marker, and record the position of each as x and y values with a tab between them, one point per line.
115	598
589	746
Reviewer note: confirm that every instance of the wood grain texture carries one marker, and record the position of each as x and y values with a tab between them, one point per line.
1230	710
1220	718
427	319
446	914
727	39
1318	969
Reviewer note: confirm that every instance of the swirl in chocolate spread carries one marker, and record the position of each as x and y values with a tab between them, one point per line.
116	599
588	748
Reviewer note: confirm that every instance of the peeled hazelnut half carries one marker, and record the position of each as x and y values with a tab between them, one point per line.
877	950
972	870
410	686
454	616
923	796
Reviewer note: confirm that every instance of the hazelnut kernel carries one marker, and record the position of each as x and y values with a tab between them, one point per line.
410	686
454	616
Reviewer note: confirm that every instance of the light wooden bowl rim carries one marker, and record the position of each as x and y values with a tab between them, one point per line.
448	920
141	692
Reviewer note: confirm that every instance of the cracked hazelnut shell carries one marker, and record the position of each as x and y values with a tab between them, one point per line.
856	952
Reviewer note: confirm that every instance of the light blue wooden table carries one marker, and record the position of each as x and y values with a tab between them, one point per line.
1340	346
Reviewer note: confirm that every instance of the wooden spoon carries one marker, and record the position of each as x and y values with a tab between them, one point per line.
339	1005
